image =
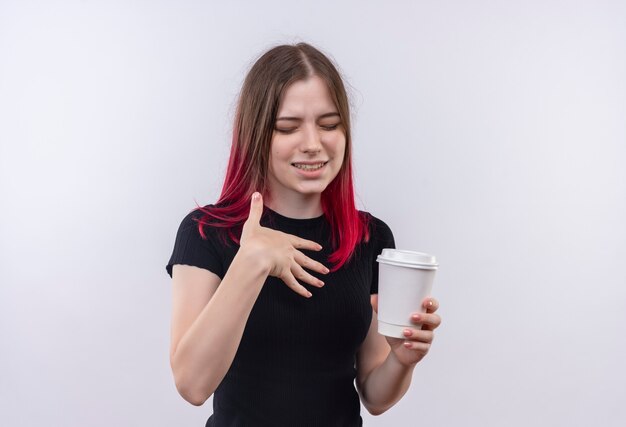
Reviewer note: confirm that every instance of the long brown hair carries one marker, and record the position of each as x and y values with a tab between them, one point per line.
255	119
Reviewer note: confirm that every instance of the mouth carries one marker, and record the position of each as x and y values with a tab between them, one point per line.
309	166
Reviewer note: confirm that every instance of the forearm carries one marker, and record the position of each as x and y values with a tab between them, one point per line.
206	351
386	385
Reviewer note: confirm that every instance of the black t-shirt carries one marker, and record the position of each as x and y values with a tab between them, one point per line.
295	365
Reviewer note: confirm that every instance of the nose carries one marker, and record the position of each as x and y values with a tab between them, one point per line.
311	141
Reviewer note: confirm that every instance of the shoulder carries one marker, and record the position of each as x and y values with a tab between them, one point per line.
380	232
197	222
199	244
375	225
191	219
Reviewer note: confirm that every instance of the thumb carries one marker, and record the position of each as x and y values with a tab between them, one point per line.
256	208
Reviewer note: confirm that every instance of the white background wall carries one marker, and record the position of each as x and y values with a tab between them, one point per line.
489	133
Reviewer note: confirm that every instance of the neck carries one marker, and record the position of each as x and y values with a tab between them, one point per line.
300	206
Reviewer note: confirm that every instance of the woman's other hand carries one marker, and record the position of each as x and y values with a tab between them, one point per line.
280	252
417	341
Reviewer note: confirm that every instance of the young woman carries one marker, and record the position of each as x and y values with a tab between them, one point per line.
275	285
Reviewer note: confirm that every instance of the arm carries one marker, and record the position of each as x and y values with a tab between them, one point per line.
208	322
385	365
209	317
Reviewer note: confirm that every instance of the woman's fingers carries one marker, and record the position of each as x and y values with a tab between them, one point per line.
299	273
421	347
256	209
430	304
310	264
300	243
292	283
424	336
254	217
419	340
429	321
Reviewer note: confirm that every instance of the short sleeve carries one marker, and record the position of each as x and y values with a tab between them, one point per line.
381	238
191	249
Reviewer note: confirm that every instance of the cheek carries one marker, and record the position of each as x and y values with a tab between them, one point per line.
275	151
277	157
340	148
279	162
335	143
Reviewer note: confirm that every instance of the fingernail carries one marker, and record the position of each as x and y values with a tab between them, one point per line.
407	344
407	332
309	294
321	283
327	270
416	317
430	303
256	196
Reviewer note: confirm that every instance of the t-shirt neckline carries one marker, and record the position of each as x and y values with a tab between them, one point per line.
279	219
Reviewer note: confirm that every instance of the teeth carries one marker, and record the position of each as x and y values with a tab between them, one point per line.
309	167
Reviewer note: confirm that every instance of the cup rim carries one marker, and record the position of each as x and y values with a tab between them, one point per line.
397	263
407	258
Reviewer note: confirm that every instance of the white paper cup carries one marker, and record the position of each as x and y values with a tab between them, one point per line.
405	278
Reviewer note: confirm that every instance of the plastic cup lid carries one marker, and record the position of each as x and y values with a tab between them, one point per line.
407	258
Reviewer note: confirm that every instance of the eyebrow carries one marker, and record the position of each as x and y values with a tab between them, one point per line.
296	119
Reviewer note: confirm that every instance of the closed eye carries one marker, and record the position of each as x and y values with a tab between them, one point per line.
330	127
286	131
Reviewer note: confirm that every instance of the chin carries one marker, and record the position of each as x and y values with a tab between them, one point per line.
309	190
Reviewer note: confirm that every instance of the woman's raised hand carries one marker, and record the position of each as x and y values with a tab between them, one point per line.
280	252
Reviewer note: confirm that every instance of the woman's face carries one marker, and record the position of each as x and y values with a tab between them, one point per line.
308	143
